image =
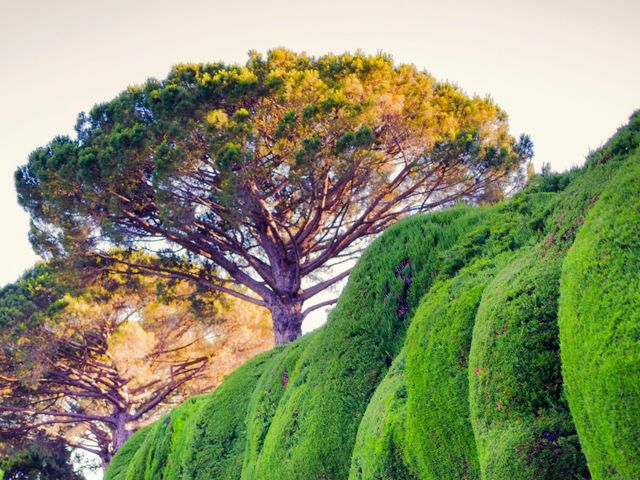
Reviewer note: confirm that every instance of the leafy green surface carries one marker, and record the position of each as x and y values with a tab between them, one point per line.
521	423
265	399
123	459
314	427
202	438
437	362
379	448
600	329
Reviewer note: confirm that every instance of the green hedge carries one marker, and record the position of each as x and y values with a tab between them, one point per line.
201	439
267	394
439	437
600	329
521	423
123	459
379	449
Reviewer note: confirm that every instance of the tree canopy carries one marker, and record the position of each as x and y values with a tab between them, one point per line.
265	175
92	363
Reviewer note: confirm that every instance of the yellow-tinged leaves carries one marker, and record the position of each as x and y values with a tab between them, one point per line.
217	118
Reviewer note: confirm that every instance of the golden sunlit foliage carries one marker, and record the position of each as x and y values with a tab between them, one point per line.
96	361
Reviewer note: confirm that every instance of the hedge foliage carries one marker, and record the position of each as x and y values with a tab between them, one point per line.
600	329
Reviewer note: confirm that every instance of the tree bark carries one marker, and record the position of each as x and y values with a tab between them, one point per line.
287	320
119	434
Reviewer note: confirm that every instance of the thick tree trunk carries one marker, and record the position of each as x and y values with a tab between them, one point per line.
287	320
119	435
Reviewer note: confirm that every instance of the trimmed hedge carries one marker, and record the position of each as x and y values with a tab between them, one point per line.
379	449
600	329
439	438
201	439
264	401
521	423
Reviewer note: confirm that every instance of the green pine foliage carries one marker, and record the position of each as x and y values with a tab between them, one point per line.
600	329
443	358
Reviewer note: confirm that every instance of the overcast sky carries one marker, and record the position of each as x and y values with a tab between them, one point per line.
566	72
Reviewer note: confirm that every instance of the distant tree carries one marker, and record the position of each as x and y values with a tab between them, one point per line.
94	365
264	176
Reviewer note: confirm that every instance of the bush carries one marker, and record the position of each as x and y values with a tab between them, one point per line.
315	424
201	439
440	441
267	394
625	141
600	329
123	458
380	442
521	423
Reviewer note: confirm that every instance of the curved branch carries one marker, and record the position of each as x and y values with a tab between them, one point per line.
317	306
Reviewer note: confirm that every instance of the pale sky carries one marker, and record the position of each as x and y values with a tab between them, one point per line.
566	72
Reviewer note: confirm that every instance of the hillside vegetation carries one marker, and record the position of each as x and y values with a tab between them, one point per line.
475	343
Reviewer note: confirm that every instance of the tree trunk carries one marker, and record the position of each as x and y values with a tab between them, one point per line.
119	435
105	460
287	320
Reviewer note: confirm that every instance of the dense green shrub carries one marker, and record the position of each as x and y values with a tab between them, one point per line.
164	450
439	439
521	423
622	144
123	459
201	439
600	329
218	432
266	396
379	449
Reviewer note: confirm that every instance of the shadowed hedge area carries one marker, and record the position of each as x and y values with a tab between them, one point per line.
442	358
